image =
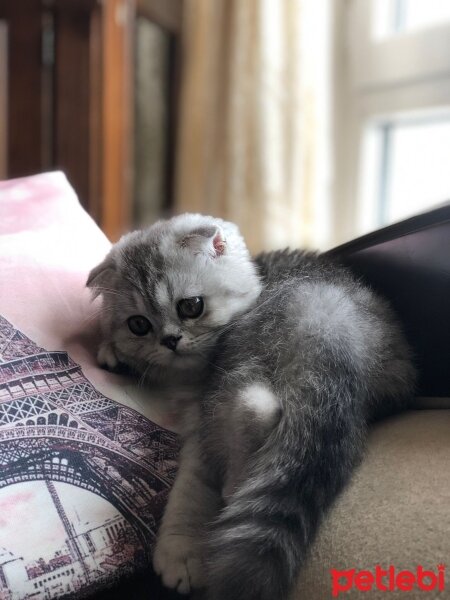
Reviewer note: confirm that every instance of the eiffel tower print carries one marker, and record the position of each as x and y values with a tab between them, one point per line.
55	427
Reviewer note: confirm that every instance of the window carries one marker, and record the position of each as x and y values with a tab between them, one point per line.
399	16
393	111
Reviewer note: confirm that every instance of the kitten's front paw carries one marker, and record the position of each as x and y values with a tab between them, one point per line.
106	357
178	563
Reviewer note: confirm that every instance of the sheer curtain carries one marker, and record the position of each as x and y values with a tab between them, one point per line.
254	121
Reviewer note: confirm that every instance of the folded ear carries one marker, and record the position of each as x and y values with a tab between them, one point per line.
205	240
100	276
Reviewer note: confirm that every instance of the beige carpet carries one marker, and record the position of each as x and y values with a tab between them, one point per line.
395	512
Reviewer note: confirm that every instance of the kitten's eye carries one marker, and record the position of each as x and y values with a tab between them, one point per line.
190	308
139	325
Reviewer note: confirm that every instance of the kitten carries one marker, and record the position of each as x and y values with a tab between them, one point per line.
167	292
291	357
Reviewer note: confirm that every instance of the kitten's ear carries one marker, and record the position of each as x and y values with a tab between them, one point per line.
205	240
100	276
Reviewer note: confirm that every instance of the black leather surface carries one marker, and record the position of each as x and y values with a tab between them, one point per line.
409	263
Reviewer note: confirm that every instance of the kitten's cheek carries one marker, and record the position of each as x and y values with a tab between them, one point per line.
185	346
167	357
181	346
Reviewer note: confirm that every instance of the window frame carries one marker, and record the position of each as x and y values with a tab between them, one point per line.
376	81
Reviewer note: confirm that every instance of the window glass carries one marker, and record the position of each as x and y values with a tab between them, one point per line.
416	14
406	167
400	16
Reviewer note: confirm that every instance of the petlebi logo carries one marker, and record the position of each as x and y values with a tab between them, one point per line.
388	580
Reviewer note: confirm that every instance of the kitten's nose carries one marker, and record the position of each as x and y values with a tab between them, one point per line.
170	341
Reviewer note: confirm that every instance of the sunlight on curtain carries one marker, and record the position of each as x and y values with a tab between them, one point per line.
254	121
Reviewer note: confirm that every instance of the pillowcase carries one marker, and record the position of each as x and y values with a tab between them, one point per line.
87	458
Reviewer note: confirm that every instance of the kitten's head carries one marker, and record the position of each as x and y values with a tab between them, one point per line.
169	290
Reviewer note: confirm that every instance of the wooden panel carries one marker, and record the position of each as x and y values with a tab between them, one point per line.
118	23
3	98
24	87
76	114
78	98
72	97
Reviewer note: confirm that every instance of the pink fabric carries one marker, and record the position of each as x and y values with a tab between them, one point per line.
85	469
48	244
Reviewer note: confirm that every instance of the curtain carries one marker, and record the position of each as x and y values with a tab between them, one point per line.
254	125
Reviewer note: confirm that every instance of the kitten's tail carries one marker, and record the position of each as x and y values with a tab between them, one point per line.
261	538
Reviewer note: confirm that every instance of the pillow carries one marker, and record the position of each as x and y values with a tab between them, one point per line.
87	458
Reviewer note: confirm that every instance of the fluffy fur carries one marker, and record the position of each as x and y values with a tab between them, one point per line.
147	272
298	358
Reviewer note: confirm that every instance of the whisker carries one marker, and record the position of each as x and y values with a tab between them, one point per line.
122	294
140	383
94	315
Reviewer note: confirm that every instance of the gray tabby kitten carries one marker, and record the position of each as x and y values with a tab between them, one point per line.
290	357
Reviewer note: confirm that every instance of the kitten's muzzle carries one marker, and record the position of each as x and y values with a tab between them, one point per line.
171	341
